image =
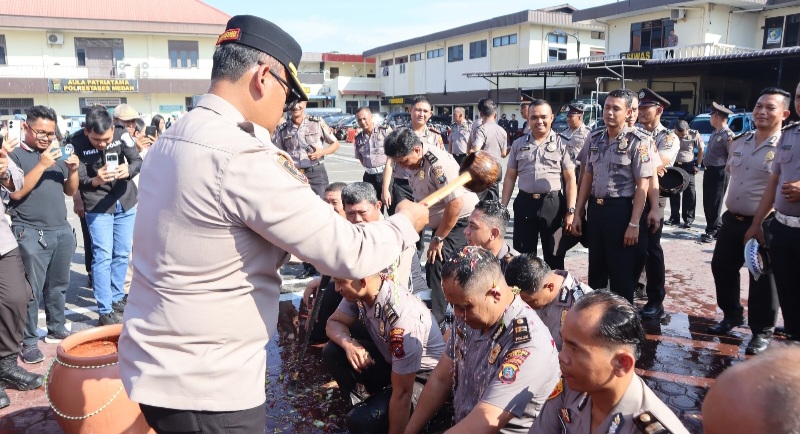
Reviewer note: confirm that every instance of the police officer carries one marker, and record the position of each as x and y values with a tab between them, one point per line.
500	360
487	227
513	128
211	234
575	135
783	193
478	122
524	103
550	292
430	168
651	107
690	141
459	135
600	391
368	148
405	342
492	138
715	178
541	158
614	182
749	165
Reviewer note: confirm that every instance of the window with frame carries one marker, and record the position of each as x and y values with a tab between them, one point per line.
402	68
387	62
477	49
502	41
416	57
99	51
553	38
432	54
183	54
334	71
401	59
556	54
3	50
791	34
648	35
455	53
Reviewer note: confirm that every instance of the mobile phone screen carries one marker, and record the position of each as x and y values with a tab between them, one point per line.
112	162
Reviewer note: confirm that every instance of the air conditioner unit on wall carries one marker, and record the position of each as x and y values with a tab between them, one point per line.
55	38
677	14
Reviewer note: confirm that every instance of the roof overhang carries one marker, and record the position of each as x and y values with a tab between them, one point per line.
84	25
624	9
361	92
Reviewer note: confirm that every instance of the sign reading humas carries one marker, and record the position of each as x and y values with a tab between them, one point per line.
112	85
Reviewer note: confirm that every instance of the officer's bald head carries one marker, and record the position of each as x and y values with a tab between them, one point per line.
474	269
760	395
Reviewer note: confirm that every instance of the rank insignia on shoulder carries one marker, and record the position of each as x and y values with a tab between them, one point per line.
744	134
616	424
565	416
584	400
378	310
391	315
790	126
648	423
431	158
494	353
564	315
557	390
314	118
521	332
288	166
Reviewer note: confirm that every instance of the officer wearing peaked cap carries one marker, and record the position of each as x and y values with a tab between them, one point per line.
524	103
715	178
575	135
232	195
690	141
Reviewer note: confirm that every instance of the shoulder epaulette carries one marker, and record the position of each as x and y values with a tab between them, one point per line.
314	118
596	131
742	134
694	132
521	332
431	158
641	133
433	129
454	124
563	136
648	423
383	126
790	126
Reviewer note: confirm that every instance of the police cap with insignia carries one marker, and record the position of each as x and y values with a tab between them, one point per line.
574	109
720	110
674	181
525	99
647	98
265	36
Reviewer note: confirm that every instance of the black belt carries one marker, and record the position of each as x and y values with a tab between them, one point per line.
538	196
313	168
715	167
610	200
741	218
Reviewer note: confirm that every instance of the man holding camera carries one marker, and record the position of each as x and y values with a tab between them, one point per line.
109	161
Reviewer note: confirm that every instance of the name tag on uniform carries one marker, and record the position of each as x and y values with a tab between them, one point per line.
594	149
786	146
525	148
737	154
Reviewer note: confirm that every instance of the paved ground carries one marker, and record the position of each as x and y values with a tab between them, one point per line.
679	362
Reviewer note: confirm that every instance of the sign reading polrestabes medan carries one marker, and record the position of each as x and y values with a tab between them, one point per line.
110	85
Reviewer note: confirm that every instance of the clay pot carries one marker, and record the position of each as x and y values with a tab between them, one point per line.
85	390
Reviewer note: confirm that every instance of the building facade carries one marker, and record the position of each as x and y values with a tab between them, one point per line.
343	81
72	54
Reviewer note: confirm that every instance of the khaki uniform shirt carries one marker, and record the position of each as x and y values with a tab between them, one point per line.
513	366
505	255
7	240
667	142
539	166
430	138
491	138
553	314
787	166
687	145
750	166
459	137
617	162
369	148
295	139
718	147
478	122
437	168
221	210
575	140
638	411
402	327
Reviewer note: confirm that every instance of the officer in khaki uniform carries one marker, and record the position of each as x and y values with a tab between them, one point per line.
431	168
600	391
575	135
524	103
492	138
487	227
500	359
221	209
368	148
750	167
303	138
550	292
614	183
540	159
715	177
690	141
459	135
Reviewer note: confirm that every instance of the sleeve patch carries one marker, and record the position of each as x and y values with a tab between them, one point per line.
557	390
438	173
288	166
396	342
511	365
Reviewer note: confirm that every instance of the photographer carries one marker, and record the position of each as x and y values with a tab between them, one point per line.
109	160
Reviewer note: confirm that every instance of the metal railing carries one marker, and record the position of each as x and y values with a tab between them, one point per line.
698	50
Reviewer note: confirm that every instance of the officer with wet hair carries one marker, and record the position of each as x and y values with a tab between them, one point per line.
600	392
486	227
500	359
550	292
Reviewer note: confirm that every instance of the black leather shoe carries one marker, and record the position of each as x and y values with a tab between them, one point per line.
706	238
651	311
687	225
5	401
758	344
672	222
12	375
725	326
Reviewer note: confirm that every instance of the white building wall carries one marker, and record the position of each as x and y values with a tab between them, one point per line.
758	38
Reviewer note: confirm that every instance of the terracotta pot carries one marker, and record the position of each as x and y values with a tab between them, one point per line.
86	393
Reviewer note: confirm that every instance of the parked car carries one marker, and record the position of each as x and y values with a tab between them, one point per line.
592	113
75	123
739	123
345	124
398	119
671	118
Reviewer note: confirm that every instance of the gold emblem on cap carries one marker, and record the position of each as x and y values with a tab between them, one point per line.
641	94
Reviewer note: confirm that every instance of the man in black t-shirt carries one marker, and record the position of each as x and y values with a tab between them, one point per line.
39	222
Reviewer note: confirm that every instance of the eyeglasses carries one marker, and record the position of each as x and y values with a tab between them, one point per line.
292	97
43	135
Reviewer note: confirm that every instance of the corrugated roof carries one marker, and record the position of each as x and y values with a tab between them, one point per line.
631	7
529	16
758	54
153	11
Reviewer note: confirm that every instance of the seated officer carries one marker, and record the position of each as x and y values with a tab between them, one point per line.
550	292
500	358
486	227
405	344
600	392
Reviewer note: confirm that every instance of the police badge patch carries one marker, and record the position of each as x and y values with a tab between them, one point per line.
396	342
551	147
288	166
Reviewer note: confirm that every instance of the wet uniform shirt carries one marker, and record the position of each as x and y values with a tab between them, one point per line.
539	166
638	411
369	148
552	315
787	166
491	138
617	162
688	144
750	166
296	139
402	328
459	137
718	147
575	140
437	168
513	366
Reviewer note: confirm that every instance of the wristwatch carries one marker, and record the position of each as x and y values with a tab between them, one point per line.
571	210
438	239
633	225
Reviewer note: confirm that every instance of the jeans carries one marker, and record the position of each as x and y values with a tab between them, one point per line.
47	256
112	237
